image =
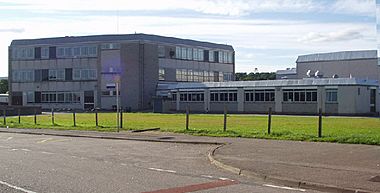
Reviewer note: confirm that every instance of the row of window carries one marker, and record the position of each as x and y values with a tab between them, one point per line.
67	74
186	53
289	95
202	76
224	96
53	97
299	95
80	51
259	95
57	52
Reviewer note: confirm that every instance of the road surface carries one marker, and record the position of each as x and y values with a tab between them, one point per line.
38	164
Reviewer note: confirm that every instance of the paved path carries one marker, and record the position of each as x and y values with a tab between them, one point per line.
325	164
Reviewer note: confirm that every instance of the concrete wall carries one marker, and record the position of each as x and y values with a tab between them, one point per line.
258	107
219	106
130	88
363	68
300	107
347	99
150	74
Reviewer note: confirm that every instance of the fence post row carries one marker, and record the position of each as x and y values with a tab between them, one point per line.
74	119
4	117
96	117
19	116
121	118
225	119
320	123
187	116
52	116
269	119
35	116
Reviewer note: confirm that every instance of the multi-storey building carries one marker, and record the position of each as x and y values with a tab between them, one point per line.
81	72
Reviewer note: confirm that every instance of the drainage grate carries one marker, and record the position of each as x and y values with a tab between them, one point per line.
375	179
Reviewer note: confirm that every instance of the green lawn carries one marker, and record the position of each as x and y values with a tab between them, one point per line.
335	129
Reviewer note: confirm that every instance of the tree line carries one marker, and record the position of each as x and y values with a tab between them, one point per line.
243	76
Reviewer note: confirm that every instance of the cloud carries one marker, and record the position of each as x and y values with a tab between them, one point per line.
216	7
12	30
345	35
358	7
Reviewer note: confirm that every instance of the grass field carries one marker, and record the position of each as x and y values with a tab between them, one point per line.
335	129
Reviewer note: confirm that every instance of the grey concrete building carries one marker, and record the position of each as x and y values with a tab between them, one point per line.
356	64
80	72
339	96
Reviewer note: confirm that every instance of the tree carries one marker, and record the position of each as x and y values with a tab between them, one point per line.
243	76
3	86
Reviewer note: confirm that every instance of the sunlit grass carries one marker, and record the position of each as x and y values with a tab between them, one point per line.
335	129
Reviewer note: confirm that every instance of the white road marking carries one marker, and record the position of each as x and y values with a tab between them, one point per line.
123	164
45	140
17	188
284	187
52	140
14	149
44	152
25	150
9	138
225	179
162	170
207	176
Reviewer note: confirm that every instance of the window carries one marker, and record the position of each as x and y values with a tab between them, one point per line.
227	76
84	51
30	97
23	76
60	97
259	95
161	74
68	52
76	51
183	53
76	74
84	74
161	51
211	56
57	74
230	57
178	52
331	95
224	96
60	52
92	51
195	54
200	55
192	96
299	95
221	57
109	46
44	53
189	53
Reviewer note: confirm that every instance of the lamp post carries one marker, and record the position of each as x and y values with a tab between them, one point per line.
117	84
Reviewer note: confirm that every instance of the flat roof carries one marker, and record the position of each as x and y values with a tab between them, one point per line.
270	83
344	55
118	37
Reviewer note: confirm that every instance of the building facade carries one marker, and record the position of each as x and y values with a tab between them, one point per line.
355	64
81	72
340	96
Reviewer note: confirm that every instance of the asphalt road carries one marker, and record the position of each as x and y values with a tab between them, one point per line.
37	164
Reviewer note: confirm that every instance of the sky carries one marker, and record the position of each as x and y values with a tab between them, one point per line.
266	34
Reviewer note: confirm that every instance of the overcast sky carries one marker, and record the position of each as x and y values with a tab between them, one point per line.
266	34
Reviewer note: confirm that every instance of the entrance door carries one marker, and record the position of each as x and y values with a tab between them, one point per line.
372	100
88	99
